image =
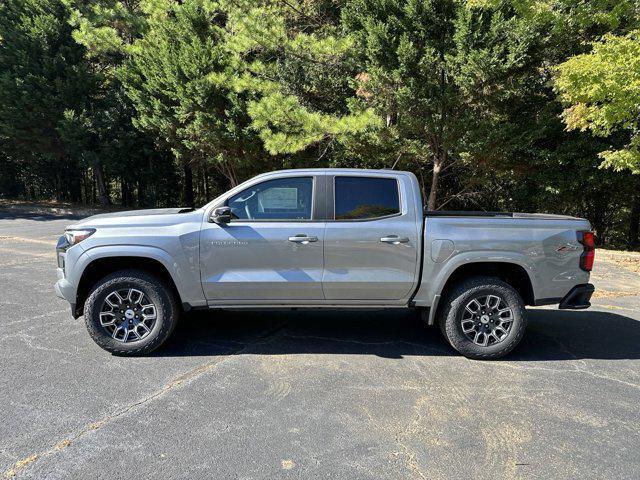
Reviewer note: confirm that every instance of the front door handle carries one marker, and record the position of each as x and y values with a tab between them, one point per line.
394	239
303	239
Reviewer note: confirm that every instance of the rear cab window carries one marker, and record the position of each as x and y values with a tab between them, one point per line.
365	198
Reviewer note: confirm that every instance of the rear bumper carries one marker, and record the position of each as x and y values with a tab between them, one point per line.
578	297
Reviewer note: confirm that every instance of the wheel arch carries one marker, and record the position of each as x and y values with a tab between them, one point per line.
511	273
100	267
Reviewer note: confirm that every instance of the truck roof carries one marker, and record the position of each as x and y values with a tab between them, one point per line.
335	170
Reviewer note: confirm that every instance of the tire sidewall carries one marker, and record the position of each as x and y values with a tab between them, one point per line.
157	293
453	320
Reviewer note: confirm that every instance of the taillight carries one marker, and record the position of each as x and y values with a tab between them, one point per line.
587	239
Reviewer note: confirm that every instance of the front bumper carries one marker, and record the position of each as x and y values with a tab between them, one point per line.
63	287
578	297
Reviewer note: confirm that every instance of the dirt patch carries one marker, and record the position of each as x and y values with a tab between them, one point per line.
599	293
628	260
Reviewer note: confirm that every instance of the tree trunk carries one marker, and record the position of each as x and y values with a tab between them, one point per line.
123	192
234	177
187	186
206	185
633	239
74	182
94	198
437	167
200	185
60	194
141	188
226	168
84	190
102	188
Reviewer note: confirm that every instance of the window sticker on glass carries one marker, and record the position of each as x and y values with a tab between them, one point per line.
280	198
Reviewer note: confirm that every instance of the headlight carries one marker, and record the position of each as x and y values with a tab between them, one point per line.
76	236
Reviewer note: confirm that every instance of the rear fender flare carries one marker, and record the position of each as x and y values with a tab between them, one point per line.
435	278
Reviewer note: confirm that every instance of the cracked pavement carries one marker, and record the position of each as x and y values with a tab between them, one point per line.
366	395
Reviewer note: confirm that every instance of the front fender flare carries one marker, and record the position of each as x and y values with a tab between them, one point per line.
186	277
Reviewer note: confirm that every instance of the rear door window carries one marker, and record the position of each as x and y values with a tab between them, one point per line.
361	198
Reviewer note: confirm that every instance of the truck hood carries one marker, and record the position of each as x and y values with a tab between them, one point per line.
152	216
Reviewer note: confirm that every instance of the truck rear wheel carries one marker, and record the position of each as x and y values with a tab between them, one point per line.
483	318
130	312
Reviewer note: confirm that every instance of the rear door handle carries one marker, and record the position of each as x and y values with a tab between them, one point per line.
394	239
303	239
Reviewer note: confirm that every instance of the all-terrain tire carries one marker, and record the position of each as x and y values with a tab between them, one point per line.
451	313
155	289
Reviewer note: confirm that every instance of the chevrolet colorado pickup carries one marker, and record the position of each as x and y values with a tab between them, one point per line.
323	238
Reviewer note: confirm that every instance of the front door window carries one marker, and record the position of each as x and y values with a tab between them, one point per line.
279	199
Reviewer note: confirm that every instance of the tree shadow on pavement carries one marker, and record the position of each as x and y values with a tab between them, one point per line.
38	216
551	335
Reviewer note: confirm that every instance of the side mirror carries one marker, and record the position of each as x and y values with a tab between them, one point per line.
220	215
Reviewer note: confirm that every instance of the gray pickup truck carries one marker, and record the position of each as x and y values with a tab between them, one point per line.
323	238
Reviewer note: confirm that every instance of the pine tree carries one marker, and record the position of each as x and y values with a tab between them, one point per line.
43	77
170	78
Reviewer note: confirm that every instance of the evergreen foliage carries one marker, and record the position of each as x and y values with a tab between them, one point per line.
527	105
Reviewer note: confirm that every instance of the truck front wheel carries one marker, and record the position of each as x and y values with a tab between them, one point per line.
130	312
483	318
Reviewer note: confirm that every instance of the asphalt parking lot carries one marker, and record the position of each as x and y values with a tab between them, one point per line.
309	394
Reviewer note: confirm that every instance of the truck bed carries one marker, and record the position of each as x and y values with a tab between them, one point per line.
463	213
544	247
